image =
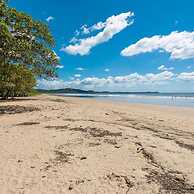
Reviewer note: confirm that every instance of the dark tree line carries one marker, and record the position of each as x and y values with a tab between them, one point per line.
25	52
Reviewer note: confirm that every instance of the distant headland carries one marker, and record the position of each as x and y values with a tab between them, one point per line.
79	91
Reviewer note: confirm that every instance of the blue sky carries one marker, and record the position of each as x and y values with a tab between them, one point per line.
110	49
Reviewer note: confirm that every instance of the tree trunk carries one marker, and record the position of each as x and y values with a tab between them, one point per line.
4	98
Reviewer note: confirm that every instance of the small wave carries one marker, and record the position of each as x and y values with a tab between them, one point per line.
162	95
184	100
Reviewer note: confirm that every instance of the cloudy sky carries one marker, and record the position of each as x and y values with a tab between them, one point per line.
136	45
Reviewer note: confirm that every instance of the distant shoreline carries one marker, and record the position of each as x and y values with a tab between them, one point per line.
167	99
92	92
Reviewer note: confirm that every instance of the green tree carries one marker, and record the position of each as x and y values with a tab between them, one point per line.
20	83
24	42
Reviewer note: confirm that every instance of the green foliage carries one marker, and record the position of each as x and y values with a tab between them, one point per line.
35	92
25	50
16	80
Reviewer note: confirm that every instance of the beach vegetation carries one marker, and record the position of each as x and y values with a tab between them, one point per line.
26	52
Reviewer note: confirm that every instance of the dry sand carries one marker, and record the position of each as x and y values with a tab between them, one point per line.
56	145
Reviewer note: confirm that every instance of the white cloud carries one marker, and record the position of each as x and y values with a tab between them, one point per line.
85	30
77	75
107	70
80	69
186	76
164	68
189	67
51	84
129	82
112	26
74	40
50	18
164	81
60	66
180	45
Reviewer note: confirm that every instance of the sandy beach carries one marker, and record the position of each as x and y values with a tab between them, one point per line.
59	145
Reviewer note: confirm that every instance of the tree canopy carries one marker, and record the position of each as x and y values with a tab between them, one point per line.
25	44
20	83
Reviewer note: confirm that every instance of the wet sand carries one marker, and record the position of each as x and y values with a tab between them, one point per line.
57	145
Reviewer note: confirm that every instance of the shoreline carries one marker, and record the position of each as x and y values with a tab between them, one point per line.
107	100
139	99
74	145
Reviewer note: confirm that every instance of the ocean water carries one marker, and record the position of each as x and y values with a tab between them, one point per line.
168	99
